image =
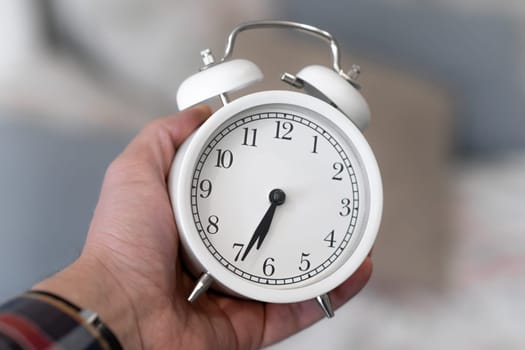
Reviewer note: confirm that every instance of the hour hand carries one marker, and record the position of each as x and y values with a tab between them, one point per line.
260	231
276	198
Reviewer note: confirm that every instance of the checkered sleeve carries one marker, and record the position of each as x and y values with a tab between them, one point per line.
37	321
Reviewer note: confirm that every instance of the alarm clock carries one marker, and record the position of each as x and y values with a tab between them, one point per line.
277	196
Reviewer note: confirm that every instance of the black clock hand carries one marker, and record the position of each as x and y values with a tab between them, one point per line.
261	230
276	198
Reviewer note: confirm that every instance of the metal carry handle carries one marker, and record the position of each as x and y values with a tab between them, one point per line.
334	47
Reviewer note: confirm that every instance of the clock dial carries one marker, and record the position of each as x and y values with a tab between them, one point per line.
276	196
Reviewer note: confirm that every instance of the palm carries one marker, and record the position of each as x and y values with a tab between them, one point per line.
221	322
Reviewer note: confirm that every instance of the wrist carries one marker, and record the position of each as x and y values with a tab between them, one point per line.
87	284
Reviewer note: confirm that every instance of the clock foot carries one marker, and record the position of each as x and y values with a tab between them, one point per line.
202	285
326	305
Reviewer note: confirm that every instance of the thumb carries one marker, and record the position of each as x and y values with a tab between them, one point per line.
154	146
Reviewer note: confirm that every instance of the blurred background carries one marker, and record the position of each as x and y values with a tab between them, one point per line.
446	84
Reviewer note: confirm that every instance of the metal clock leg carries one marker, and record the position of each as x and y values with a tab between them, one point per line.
202	285
326	305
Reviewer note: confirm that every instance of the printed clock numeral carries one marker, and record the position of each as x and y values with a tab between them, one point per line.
330	239
250	136
315	144
268	267
213	225
338	167
239	246
205	187
283	130
346	207
224	158
305	263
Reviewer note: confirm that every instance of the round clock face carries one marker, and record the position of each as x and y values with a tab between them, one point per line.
279	201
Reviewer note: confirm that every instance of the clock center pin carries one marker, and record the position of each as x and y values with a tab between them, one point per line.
277	196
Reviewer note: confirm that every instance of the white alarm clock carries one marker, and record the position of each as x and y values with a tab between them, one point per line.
277	196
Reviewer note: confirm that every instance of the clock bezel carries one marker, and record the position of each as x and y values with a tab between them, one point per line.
180	188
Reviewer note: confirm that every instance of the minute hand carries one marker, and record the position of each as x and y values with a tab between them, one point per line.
276	197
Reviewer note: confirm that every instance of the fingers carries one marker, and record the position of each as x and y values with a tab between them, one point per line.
156	144
133	203
283	320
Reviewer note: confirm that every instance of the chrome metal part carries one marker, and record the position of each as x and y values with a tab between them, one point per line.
326	305
292	80
224	99
354	72
207	58
334	46
202	285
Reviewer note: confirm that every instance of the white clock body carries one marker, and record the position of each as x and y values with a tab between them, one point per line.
223	174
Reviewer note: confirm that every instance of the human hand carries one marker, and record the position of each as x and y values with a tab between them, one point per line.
130	271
